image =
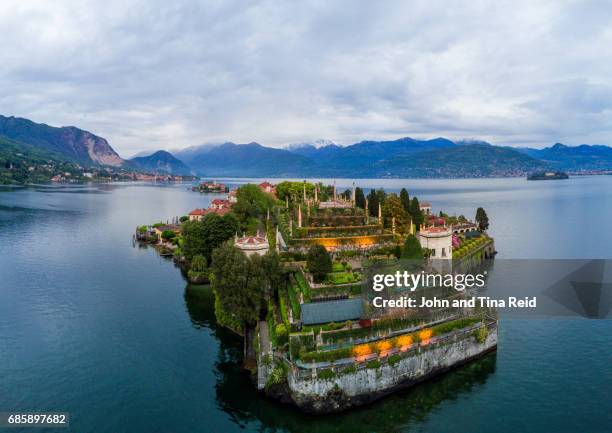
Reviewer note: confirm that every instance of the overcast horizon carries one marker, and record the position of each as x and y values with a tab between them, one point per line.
151	75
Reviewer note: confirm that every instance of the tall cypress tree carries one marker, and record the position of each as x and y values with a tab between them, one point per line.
373	203
405	199
415	212
359	198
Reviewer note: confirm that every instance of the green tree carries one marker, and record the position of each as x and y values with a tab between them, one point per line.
405	199
199	263
252	203
193	236
415	212
382	195
319	263
359	198
482	219
294	190
168	234
218	229
373	203
202	237
271	269
237	284
412	248
393	209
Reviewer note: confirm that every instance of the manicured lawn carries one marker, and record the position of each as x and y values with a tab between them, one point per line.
344	277
337	267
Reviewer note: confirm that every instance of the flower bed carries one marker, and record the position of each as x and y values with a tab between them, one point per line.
330	231
336	220
355	241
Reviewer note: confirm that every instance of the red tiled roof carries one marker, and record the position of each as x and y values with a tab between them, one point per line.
251	240
266	184
198	212
221	211
425	204
218	201
435	229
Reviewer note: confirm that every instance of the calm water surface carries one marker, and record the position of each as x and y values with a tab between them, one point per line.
91	325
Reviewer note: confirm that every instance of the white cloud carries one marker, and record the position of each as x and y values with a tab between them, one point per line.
158	74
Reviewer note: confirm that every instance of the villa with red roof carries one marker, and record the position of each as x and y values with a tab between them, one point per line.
267	187
197	214
217	206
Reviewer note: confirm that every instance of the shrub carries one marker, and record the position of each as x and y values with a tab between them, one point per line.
297	342
277	376
350	369
281	333
283	306
295	303
337	267
319	262
446	327
198	263
481	334
412	248
394	359
326	374
327	356
303	286
168	234
375	363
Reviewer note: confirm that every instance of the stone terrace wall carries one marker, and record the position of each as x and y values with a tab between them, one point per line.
366	385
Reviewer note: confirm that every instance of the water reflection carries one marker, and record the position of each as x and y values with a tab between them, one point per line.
236	395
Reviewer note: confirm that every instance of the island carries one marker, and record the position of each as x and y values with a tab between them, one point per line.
548	175
291	266
211	187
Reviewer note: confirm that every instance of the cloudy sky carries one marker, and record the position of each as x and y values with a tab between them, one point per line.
169	74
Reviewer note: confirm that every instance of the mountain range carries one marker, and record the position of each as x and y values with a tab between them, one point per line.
404	157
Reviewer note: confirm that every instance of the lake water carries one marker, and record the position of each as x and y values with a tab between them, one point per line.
91	325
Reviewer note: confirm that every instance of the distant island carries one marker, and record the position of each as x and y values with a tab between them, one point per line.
548	175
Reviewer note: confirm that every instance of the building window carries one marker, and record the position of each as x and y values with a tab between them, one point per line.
433	252
443	252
